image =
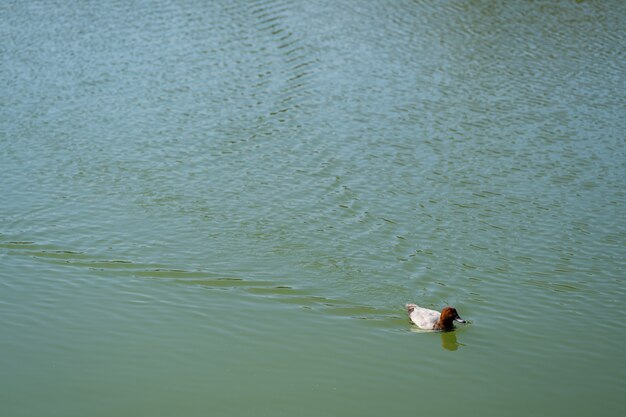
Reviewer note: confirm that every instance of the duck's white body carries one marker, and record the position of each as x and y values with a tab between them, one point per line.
422	317
427	319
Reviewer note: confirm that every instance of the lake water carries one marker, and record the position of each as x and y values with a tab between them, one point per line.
221	208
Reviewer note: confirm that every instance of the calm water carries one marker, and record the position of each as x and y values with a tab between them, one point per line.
221	208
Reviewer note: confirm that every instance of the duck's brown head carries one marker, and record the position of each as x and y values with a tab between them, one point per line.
448	316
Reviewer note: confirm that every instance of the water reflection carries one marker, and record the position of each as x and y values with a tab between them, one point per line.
449	341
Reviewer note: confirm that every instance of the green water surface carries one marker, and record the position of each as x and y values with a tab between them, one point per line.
221	208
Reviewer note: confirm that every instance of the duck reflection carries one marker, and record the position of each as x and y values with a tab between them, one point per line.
448	339
449	342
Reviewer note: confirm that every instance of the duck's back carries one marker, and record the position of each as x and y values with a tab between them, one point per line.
423	317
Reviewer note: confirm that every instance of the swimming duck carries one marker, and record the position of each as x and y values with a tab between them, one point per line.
433	320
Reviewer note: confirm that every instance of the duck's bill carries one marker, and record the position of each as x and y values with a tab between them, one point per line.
460	320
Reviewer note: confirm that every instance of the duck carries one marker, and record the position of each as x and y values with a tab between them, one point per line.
433	320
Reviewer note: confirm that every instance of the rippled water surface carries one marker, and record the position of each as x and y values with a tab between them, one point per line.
221	208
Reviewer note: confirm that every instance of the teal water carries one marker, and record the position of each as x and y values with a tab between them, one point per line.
221	208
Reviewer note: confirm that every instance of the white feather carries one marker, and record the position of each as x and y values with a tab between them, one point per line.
423	318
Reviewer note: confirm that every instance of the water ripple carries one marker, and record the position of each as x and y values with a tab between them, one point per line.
266	289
